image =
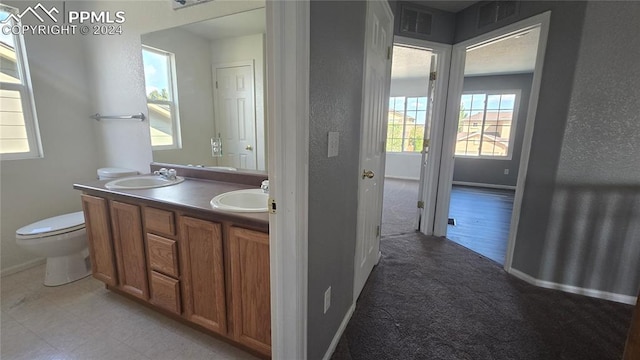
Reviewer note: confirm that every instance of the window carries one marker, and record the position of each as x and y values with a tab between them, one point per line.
19	137
407	118
162	98
485	126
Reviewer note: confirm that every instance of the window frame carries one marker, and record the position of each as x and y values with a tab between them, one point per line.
404	123
173	103
514	121
25	88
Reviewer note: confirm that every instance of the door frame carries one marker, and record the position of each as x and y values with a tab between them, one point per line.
432	170
216	102
456	81
287	63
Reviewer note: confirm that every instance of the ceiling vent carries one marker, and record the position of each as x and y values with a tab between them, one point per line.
496	11
415	21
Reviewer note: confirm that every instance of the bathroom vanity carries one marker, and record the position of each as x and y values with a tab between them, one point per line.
168	248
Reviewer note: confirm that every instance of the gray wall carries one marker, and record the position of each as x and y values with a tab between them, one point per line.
581	234
593	235
336	70
488	171
443	25
551	118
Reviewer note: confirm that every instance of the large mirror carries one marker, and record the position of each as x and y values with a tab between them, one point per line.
205	86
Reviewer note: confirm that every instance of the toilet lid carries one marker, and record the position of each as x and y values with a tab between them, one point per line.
52	226
114	172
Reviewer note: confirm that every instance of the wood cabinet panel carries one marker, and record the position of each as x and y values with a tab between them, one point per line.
128	241
250	286
203	273
159	221
163	255
96	218
165	292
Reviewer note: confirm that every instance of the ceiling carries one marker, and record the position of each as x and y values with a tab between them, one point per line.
240	24
513	54
452	6
410	63
510	55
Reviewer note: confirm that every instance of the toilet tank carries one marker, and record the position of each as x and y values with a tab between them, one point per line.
114	172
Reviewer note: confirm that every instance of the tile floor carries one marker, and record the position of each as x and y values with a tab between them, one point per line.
83	320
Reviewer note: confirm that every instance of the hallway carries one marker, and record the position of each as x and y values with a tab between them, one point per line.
482	216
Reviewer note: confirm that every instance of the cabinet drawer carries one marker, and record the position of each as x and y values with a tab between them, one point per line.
165	292
160	221
163	255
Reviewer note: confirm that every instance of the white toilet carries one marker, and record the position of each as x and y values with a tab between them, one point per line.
114	173
63	240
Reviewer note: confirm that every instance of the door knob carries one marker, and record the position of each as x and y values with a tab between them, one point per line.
249	147
368	174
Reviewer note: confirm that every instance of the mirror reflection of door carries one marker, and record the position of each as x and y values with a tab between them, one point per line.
183	135
234	96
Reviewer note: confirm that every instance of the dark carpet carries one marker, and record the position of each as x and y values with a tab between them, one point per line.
430	298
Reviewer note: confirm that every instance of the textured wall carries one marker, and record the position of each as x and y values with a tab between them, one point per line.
602	139
489	171
580	211
556	86
336	70
443	22
592	239
34	189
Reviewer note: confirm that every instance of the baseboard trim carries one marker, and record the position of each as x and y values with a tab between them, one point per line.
338	335
401	178
491	186
23	266
599	294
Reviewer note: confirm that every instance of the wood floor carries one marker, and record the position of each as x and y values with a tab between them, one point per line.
482	219
482	215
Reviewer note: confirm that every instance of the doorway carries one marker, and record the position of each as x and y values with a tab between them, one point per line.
492	100
416	116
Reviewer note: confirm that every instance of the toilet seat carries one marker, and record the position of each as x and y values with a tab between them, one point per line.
56	225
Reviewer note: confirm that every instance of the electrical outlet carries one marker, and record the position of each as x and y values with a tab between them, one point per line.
327	299
506	171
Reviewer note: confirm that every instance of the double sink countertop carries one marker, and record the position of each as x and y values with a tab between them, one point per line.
194	193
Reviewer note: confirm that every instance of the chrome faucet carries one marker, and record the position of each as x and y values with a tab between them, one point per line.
169	174
265	186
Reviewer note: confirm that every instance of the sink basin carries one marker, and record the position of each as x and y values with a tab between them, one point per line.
142	182
250	200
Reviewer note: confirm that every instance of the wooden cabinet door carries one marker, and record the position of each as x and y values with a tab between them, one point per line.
251	294
96	218
165	292
128	241
202	273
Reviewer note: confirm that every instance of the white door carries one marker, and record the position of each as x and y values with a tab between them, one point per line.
375	102
236	116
